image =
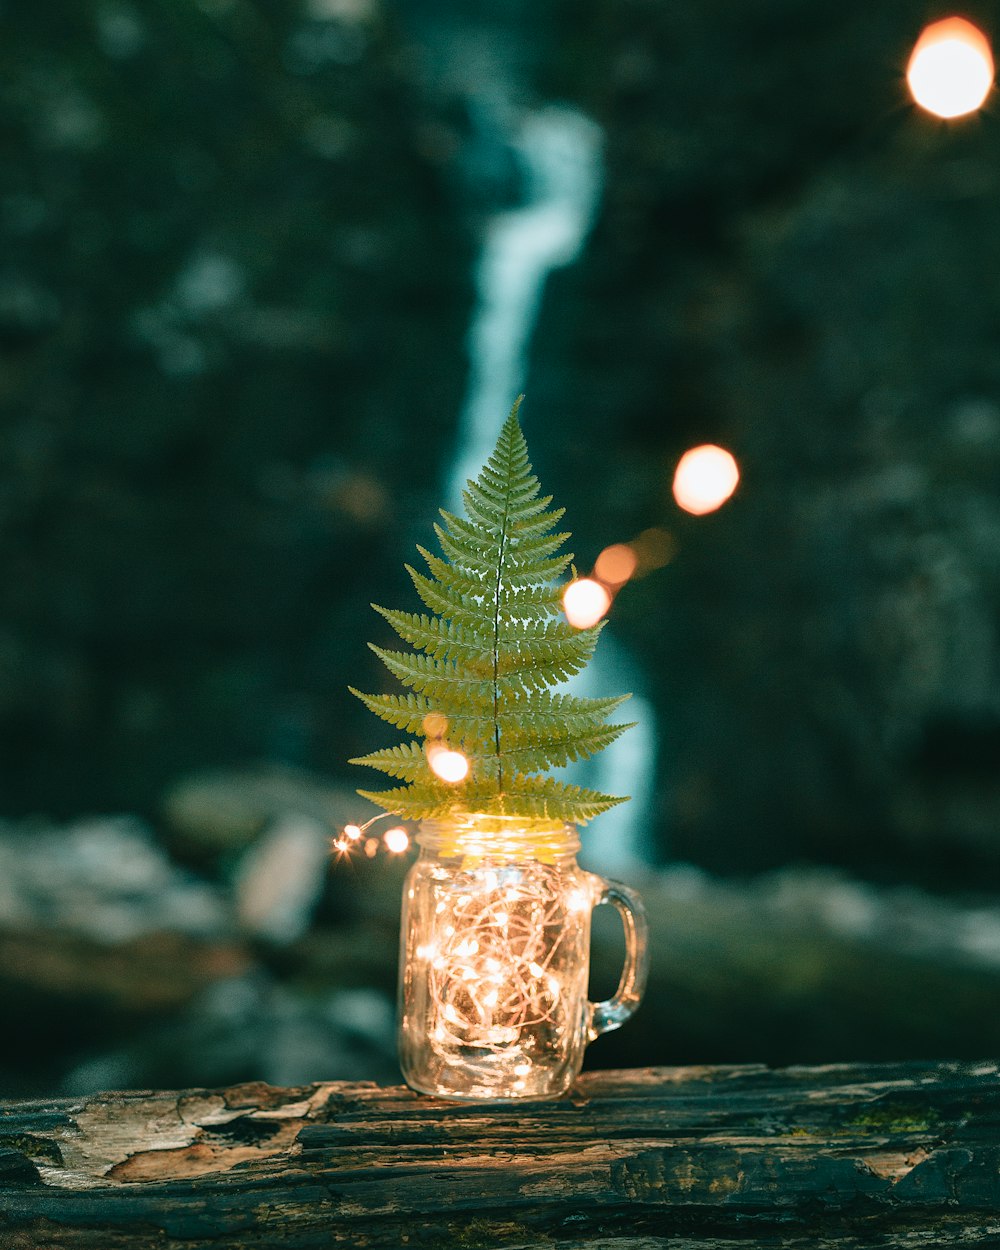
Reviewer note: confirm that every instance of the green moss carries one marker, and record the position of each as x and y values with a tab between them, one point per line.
37	1149
482	1234
890	1118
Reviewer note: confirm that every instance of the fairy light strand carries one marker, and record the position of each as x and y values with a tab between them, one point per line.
352	838
493	967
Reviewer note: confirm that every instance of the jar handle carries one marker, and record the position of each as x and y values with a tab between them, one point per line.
613	1012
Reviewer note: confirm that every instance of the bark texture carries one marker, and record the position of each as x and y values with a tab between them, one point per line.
844	1156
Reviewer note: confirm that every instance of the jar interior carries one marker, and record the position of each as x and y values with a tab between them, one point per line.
495	970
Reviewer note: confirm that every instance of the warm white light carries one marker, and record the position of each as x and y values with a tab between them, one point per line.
450	766
585	602
578	901
497	975
352	832
396	840
705	478
341	845
951	69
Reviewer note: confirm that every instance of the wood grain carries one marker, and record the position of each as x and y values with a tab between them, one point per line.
845	1156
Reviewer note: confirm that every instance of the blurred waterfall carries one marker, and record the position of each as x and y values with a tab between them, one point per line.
560	154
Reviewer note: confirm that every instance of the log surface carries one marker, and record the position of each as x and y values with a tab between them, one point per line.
846	1156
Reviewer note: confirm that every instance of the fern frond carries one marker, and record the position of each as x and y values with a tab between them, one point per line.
465	555
451	604
529	602
408	762
520	729
558	800
522	550
523	528
457	576
416	803
406	711
438	679
472	537
486	653
575	648
565	747
542	571
439	637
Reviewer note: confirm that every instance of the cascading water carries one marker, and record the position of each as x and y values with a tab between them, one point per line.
560	154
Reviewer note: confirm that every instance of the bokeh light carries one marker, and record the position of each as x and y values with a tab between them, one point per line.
705	478
951	68
616	564
585	601
396	839
352	832
448	765
435	725
653	549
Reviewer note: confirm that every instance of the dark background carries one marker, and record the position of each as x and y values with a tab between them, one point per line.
237	241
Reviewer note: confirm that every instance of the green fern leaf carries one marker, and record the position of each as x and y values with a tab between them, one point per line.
485	659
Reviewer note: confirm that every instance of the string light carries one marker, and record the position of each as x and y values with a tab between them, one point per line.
705	478
352	837
951	68
500	959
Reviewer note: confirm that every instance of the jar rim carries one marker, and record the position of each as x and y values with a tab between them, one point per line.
475	833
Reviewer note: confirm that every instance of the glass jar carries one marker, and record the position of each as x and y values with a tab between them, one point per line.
495	959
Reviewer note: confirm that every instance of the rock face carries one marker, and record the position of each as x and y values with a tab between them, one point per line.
234	291
790	262
232	301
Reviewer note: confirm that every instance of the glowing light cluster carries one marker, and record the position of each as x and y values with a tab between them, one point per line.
951	68
499	957
705	478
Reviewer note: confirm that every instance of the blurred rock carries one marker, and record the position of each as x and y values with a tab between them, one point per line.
219	812
152	966
106	880
252	1028
280	881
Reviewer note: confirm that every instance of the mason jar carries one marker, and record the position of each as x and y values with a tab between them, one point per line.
495	959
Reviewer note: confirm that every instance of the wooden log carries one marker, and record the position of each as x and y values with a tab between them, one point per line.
844	1156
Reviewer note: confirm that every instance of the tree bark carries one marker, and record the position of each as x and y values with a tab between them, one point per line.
844	1156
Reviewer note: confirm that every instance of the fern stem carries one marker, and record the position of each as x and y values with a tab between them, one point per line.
508	486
